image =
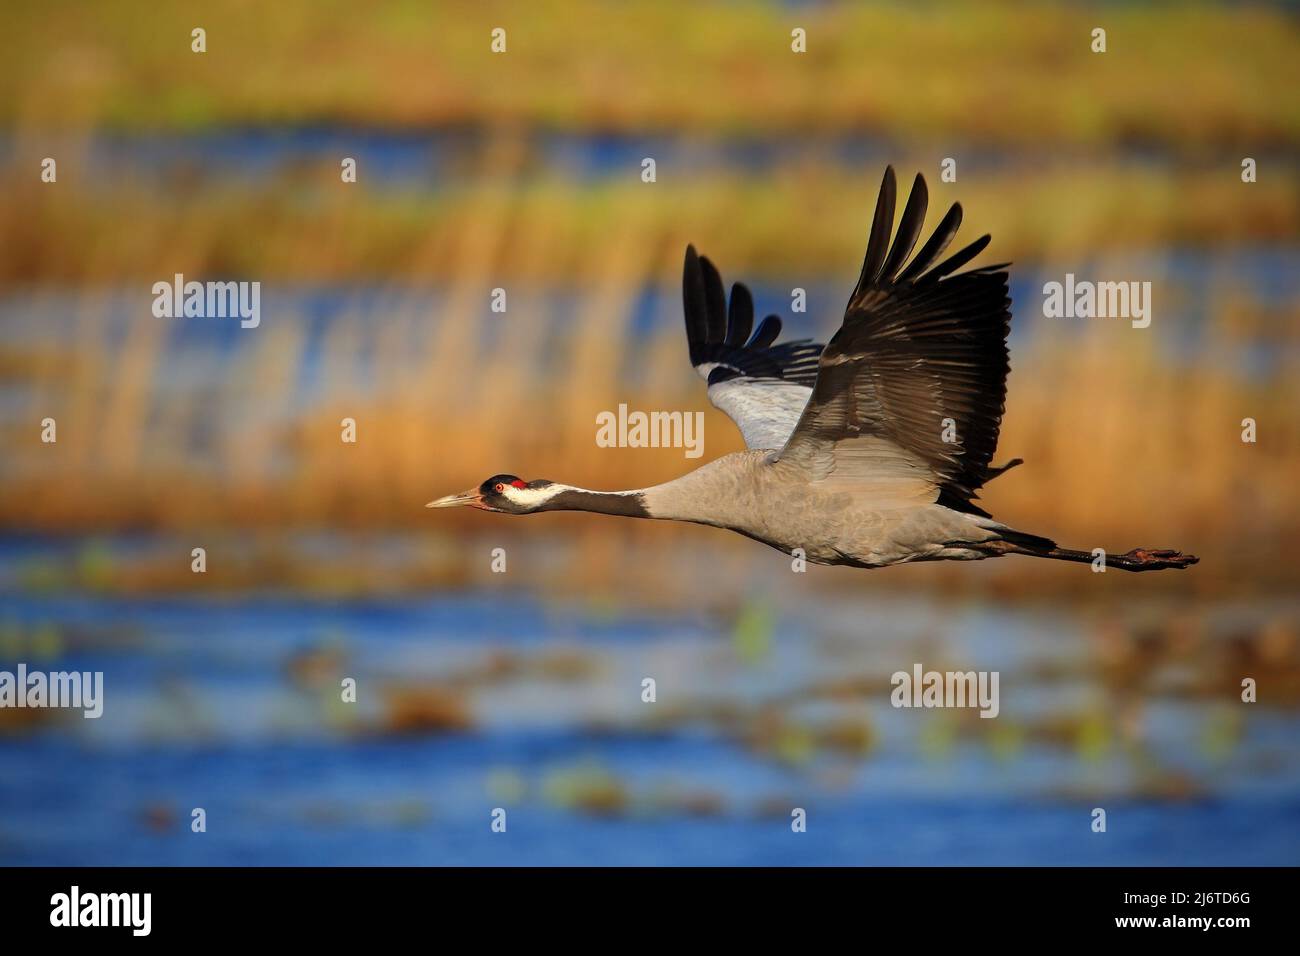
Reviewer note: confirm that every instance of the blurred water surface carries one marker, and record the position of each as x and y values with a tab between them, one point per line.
473	701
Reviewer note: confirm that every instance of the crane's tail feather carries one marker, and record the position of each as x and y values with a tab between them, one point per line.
1139	559
1003	469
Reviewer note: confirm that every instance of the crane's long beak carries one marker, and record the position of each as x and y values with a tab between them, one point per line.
471	498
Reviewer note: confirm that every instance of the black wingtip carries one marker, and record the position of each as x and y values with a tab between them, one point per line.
694	303
882	225
935	246
909	230
715	298
740	315
768	331
958	259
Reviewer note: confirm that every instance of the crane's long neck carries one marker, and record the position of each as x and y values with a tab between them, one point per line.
627	504
678	500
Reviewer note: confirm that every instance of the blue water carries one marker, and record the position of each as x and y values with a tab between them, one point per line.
402	159
205	706
398	803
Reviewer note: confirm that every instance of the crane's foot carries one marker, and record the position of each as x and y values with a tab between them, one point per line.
1153	559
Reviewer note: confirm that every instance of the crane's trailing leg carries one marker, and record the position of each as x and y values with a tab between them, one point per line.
1139	559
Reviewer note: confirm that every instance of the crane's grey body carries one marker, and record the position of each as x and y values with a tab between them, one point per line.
866	451
867	523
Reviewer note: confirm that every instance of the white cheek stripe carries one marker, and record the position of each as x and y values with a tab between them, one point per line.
530	497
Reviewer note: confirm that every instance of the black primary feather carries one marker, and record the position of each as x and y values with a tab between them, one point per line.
918	349
717	329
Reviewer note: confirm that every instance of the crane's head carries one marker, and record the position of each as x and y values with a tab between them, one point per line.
504	493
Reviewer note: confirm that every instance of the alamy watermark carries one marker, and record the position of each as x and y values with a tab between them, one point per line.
212	300
635	429
922	688
1084	299
79	690
75	908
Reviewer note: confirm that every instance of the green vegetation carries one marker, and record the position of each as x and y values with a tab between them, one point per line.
788	222
1189	75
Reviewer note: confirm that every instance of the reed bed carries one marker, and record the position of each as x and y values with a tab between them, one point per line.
1121	438
806	218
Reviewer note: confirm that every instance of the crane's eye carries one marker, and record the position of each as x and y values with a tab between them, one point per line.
498	488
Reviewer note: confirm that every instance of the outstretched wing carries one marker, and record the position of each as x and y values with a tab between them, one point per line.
913	386
762	387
